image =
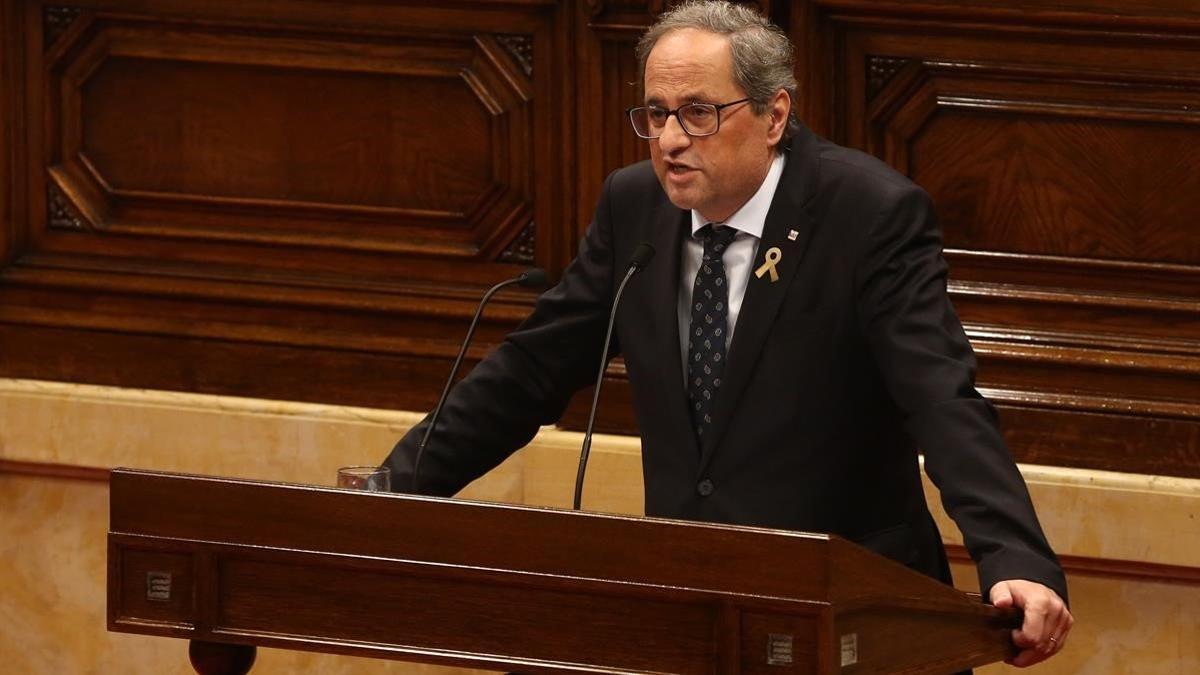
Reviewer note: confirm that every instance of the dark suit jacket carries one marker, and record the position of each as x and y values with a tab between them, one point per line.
836	375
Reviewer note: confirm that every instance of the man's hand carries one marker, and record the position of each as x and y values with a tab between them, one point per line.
1047	619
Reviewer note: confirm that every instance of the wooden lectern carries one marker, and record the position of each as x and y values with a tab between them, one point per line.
232	564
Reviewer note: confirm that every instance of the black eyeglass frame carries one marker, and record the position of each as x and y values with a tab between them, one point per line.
717	108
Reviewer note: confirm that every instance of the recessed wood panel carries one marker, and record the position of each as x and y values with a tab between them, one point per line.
288	134
1143	194
1043	165
261	597
285	137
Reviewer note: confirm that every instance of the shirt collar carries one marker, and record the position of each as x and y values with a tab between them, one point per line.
752	217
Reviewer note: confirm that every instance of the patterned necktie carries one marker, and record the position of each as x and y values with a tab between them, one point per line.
710	316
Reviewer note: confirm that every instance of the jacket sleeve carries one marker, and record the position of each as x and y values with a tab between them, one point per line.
929	367
524	383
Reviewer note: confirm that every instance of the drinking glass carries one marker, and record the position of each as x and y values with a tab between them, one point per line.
369	478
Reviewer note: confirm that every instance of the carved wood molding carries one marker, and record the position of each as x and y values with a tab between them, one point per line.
1110	276
61	213
1071	402
1107	16
1129	375
880	71
521	250
654	7
303	295
520	47
626	14
56	21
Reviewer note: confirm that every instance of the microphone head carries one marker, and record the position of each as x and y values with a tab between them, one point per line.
642	255
533	278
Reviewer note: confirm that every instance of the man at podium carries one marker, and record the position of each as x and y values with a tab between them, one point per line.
791	347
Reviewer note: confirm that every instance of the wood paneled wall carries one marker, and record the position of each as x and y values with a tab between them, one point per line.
1060	143
295	200
302	199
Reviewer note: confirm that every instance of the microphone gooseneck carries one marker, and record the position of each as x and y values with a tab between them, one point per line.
640	258
531	278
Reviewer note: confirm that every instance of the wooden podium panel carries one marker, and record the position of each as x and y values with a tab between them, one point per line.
229	563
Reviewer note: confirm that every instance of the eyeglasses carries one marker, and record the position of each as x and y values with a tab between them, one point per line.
696	119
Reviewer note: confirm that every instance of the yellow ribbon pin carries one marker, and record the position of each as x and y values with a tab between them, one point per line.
774	255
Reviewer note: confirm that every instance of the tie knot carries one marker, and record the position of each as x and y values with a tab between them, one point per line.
716	239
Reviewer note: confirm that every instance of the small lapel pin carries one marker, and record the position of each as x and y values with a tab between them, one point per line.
792	234
773	256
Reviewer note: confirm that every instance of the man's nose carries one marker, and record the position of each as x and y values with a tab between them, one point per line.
673	138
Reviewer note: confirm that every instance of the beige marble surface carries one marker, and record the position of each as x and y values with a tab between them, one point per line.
246	438
1103	514
52	531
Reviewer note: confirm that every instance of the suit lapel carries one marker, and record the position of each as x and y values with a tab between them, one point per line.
670	223
763	296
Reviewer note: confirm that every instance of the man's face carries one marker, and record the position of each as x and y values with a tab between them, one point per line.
716	174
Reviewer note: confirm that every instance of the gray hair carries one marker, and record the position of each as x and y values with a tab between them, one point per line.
763	61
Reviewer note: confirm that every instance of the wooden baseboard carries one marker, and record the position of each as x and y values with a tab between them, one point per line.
1104	567
60	471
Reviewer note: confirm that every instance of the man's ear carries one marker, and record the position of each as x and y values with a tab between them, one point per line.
780	111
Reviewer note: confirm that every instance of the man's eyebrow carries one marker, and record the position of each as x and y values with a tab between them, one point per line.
690	97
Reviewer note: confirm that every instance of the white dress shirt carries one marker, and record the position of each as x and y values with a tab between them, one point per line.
739	257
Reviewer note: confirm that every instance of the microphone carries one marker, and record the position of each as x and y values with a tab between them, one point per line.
531	278
640	258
